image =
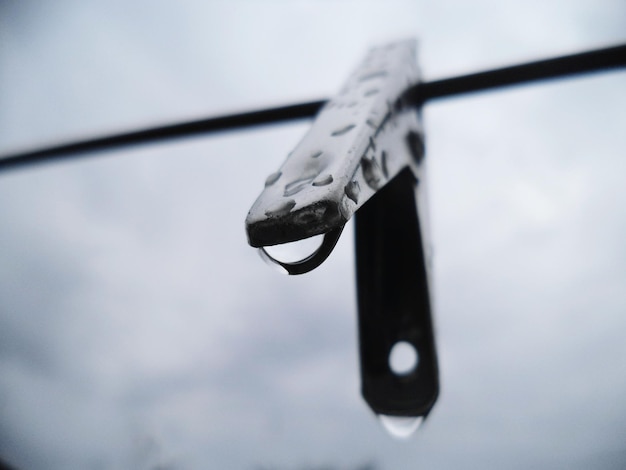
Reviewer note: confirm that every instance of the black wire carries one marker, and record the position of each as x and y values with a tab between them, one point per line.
156	134
598	60
585	62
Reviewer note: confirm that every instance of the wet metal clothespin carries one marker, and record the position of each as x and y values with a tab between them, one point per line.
364	155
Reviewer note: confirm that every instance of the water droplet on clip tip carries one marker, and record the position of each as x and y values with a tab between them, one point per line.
295	251
301	256
401	427
271	179
343	130
297	186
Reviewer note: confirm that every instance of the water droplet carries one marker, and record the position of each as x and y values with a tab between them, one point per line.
371	172
295	251
403	358
281	207
301	256
317	154
297	186
370	76
271	179
401	427
352	190
343	130
370	123
323	180
371	92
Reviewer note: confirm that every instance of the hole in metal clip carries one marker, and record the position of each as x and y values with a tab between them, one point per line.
403	358
301	256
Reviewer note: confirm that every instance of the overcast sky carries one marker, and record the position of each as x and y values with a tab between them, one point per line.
138	328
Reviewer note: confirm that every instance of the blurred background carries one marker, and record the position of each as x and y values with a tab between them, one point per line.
139	330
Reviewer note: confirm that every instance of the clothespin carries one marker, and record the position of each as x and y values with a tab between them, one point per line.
364	156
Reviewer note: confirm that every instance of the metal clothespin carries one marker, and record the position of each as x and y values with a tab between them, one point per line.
364	154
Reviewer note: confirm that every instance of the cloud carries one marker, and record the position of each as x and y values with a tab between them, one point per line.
137	328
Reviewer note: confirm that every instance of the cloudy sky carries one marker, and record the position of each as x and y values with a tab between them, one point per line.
138	329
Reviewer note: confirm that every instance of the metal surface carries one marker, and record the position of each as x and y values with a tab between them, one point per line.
359	141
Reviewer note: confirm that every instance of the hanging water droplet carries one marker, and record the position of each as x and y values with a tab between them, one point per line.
301	256
401	427
295	251
323	180
352	190
343	130
280	207
271	179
